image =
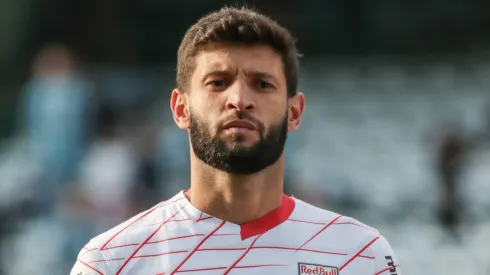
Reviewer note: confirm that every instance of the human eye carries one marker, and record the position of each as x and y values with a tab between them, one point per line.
263	85
217	84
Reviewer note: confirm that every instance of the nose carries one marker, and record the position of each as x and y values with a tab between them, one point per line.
240	97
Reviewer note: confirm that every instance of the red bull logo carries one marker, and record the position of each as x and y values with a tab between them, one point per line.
314	269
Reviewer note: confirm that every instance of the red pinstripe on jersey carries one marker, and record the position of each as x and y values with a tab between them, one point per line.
197	247
144	214
87	251
385	270
318	233
91	267
358	253
241	257
147	239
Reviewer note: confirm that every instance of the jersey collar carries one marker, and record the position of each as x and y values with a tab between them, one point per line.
255	227
269	220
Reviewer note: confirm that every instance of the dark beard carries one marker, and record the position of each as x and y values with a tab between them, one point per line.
238	160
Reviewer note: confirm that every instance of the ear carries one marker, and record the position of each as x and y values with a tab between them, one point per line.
296	105
180	109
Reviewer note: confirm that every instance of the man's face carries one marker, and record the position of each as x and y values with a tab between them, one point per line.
238	108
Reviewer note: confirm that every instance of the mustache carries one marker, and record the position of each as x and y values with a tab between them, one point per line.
241	115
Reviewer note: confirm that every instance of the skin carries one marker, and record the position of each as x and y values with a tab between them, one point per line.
53	60
228	79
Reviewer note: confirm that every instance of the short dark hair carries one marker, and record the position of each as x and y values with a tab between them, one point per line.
241	26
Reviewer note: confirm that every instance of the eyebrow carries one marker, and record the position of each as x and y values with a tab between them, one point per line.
219	72
228	71
260	74
216	73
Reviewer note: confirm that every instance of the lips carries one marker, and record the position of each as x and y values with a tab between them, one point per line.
244	124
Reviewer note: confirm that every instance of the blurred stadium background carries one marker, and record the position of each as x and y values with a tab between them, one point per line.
396	131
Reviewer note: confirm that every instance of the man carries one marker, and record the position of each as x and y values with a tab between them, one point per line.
237	77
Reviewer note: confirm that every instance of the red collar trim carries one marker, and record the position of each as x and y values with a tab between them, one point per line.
270	220
264	223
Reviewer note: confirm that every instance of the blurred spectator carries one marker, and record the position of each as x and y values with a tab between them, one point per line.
108	173
54	109
173	159
450	164
100	199
147	190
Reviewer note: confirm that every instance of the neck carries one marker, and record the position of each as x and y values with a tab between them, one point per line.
236	198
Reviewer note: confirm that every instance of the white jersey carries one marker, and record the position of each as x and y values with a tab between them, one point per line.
297	238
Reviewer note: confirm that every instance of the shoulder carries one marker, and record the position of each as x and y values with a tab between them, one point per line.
309	214
349	232
348	235
108	250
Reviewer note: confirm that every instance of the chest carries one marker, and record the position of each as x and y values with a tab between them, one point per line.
224	252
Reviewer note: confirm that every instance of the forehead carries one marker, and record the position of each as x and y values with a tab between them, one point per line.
255	58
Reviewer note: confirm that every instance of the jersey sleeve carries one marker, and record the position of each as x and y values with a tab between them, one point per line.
385	262
90	261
